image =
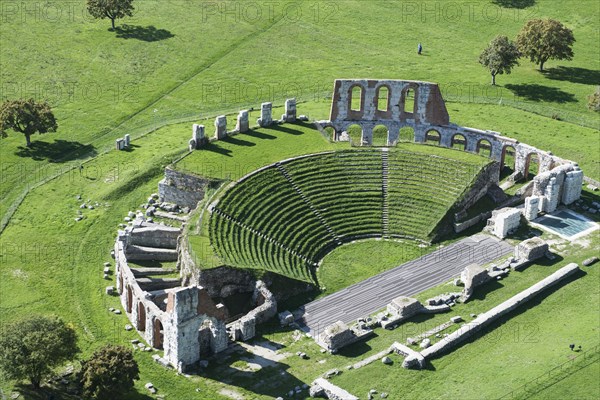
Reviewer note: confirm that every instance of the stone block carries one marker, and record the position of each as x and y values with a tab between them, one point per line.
220	127
290	110
286	318
266	111
505	221
243	123
198	135
531	249
532	208
572	186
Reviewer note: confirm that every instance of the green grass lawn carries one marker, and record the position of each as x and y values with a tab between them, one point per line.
181	62
105	84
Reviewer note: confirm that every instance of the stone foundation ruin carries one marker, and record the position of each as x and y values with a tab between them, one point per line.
183	316
184	321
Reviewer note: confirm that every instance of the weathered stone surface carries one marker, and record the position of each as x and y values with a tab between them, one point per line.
530	250
336	336
266	111
331	391
532	208
504	221
590	261
183	189
110	290
472	276
154	235
572	186
290	110
387	361
286	318
429	108
198	137
220	127
243	123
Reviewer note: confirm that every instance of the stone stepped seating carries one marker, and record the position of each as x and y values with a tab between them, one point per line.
287	216
143	253
155	235
143	271
156	284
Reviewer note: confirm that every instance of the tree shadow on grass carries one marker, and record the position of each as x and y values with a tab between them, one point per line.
535	92
144	33
574	74
514	3
57	151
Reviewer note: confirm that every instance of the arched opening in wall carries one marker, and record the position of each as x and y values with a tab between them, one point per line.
158	334
406	134
380	136
129	299
459	142
484	148
356	98
205	337
408	100
355	134
329	132
507	161
433	137
141	317
383	95
532	165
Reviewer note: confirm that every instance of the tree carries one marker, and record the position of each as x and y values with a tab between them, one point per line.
112	9
27	117
109	373
545	39
29	349
500	56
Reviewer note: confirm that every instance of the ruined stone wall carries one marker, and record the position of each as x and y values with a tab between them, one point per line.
155	236
469	329
429	118
183	189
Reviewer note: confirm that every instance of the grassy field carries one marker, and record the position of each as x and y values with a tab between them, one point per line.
114	89
179	62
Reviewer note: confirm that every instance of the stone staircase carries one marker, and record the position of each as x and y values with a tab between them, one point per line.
309	203
384	189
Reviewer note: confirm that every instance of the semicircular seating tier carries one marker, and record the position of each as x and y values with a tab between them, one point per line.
285	217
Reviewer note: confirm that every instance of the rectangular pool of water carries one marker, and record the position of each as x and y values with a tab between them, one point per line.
566	224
